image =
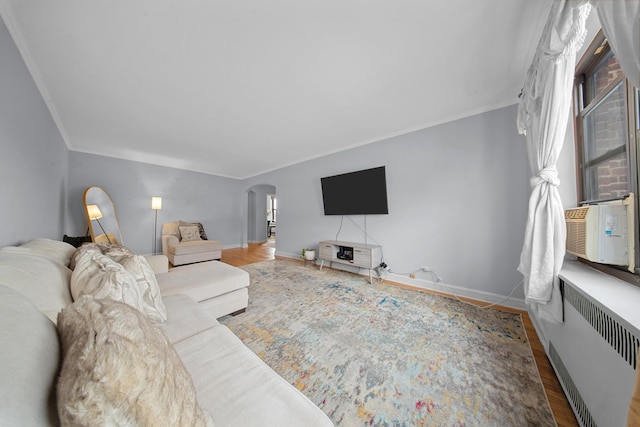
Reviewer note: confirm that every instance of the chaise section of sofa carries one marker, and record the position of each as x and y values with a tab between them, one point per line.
231	383
219	288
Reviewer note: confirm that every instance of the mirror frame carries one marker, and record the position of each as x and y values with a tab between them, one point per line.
98	196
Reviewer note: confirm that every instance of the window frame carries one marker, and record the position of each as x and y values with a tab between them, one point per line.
593	55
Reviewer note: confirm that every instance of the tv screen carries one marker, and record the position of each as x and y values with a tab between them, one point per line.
356	193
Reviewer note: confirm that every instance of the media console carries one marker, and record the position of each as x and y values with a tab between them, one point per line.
348	253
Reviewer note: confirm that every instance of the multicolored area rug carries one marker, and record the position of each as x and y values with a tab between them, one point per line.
382	355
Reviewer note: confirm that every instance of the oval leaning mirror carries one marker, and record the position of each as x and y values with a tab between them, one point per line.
101	216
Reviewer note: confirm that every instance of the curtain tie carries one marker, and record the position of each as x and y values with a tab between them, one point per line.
548	174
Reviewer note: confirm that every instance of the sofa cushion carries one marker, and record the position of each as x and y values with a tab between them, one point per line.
203	280
238	388
53	249
228	303
185	318
44	281
118	369
158	263
189	233
29	358
195	247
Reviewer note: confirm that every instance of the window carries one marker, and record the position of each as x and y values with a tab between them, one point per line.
607	118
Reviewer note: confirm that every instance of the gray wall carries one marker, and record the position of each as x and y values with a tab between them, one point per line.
458	192
458	196
34	160
189	196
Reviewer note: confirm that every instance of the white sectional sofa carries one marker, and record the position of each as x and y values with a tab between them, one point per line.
232	386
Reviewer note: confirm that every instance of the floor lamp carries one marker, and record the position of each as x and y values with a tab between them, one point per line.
156	205
94	213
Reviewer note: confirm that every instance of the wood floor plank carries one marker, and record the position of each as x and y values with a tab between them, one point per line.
257	252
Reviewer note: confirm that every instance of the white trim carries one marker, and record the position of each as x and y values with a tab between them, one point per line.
489	297
540	331
614	294
169	162
482	296
232	246
423	126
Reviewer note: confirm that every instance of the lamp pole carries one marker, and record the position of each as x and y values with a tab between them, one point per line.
156	205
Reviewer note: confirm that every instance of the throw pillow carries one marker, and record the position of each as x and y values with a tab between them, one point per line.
140	269
100	276
118	369
203	235
76	241
108	271
190	233
84	252
115	252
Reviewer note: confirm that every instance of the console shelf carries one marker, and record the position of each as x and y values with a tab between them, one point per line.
349	253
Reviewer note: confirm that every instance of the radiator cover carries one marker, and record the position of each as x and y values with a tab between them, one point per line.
594	354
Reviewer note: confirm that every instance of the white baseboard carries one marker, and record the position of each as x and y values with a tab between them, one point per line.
453	290
482	296
289	255
540	331
233	246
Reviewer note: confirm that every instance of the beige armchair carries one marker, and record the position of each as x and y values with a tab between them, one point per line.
186	242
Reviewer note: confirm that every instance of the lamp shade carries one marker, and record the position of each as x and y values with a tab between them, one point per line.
156	203
94	212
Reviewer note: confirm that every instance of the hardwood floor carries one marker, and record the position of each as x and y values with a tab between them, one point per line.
257	252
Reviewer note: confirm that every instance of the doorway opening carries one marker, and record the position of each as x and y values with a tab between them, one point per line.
272	215
261	215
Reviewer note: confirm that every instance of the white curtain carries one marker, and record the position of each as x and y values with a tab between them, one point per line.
543	115
620	22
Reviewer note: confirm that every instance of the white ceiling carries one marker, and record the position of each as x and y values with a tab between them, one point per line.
238	88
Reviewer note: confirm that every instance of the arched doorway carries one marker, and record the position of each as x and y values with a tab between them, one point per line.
261	209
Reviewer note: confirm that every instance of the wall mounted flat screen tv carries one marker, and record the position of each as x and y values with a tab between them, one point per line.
356	193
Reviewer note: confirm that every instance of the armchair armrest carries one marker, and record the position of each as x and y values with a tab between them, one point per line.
168	240
158	263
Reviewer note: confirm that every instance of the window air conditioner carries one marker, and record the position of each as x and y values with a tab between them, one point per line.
599	233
